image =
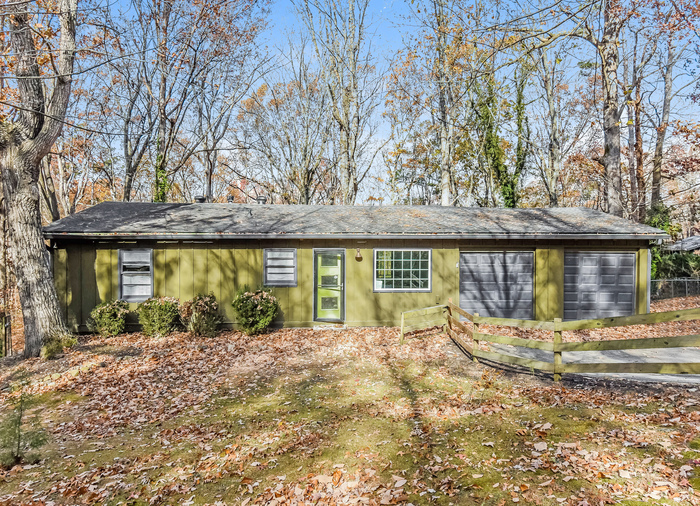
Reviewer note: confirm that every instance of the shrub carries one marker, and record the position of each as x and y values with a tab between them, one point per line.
255	310
200	316
109	318
56	344
19	435
159	316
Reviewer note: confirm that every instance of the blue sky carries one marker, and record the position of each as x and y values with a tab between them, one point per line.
388	23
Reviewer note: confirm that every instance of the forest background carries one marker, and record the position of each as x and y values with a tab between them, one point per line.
347	102
494	104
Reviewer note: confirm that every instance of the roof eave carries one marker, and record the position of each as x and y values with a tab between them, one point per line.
210	237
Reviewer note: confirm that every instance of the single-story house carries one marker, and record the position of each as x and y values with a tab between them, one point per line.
355	265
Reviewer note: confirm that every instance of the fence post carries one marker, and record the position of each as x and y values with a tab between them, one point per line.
447	315
402	320
475	337
557	353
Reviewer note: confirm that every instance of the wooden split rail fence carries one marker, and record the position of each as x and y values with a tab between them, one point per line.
459	330
422	319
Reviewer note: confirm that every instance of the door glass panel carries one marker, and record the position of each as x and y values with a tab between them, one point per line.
329	280
329	302
329	286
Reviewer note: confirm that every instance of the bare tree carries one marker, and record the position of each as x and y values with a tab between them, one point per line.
338	30
24	142
286	130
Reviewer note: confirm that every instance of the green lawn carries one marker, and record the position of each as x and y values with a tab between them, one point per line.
341	417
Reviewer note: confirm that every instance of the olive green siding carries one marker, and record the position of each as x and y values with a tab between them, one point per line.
87	274
549	283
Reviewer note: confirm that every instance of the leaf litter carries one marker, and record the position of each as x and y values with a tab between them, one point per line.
342	417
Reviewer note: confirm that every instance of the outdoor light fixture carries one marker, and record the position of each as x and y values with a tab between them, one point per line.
358	255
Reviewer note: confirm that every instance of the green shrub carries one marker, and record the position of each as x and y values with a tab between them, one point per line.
109	318
200	316
19	435
674	264
56	344
255	310
159	316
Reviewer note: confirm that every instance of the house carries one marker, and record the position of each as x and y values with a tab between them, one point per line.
691	243
355	265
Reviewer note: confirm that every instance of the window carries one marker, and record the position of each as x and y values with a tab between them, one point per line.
135	274
402	270
280	267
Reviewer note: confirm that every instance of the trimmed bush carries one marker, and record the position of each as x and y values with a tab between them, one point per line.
159	316
200	316
109	318
255	310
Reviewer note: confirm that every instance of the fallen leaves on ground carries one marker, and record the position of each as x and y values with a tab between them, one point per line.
303	416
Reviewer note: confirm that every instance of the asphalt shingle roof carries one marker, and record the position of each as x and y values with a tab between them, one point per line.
208	221
691	243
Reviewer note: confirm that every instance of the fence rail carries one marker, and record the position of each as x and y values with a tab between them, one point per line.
457	330
422	319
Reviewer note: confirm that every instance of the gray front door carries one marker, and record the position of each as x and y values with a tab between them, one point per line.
598	285
497	284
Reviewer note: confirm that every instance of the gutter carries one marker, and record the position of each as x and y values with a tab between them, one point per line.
209	237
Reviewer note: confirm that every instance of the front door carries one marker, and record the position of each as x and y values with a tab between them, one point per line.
329	297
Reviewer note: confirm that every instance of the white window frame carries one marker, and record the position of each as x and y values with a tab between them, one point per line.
282	284
133	298
430	271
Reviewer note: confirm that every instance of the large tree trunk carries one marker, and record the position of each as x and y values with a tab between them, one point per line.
608	49
43	319
23	144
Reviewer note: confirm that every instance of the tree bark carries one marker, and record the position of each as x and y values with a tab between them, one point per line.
445	104
610	56
48	190
661	129
638	176
23	144
608	49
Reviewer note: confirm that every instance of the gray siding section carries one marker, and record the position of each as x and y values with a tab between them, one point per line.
598	285
497	284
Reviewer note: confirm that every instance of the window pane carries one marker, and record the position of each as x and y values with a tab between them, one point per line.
280	267
136	276
402	270
136	268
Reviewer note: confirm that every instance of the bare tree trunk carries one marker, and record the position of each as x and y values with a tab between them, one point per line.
23	144
609	53
210	169
160	193
630	81
555	156
445	102
608	49
638	177
661	129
